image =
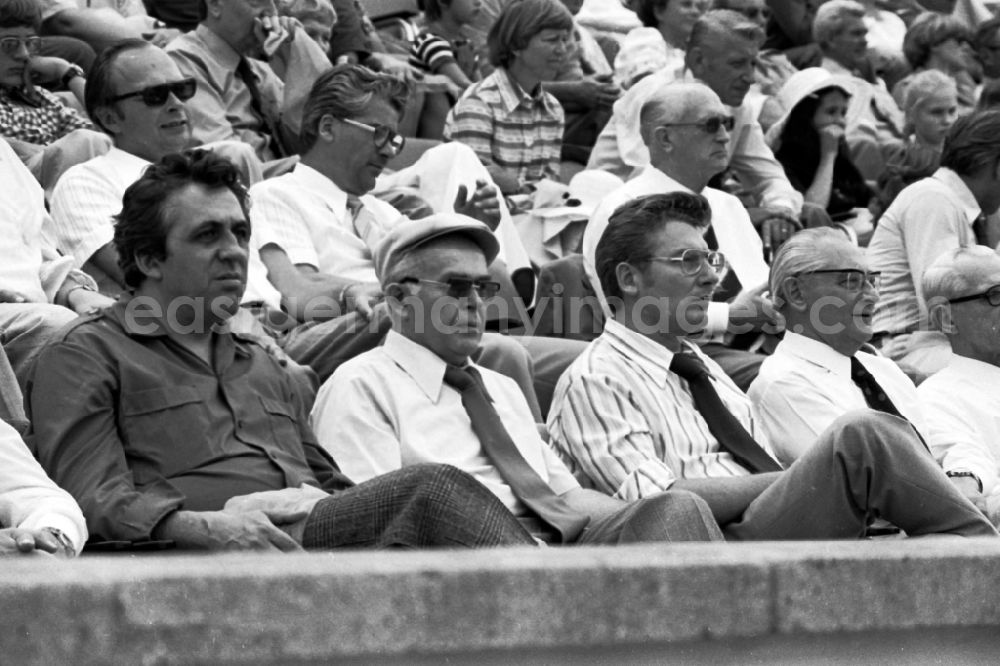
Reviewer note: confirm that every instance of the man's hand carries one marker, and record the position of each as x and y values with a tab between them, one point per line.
752	310
591	91
17	541
161	36
284	506
275	33
82	301
362	297
483	205
11	296
775	226
47	69
384	62
224	530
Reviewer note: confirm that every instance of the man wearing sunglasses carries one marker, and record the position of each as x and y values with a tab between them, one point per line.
962	401
254	70
687	128
419	398
721	53
643	410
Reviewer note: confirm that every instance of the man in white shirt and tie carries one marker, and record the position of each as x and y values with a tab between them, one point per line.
962	401
686	128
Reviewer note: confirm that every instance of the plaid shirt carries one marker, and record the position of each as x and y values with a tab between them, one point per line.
518	132
39	118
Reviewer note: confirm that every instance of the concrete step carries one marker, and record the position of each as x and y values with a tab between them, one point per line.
904	601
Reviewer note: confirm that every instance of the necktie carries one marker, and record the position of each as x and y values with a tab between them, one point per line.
979	226
362	219
730	285
245	72
874	395
515	470
730	433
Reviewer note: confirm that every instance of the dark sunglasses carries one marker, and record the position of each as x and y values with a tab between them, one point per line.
710	125
382	135
157	95
992	295
462	287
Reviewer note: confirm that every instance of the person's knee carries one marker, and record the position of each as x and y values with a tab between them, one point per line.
676	500
434	480
868	431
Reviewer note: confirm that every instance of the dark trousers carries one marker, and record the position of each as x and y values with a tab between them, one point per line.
675	515
416	507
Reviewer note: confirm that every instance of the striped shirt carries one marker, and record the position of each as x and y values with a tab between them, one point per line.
509	128
626	425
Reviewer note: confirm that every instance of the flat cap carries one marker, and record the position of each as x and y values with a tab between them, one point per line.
410	234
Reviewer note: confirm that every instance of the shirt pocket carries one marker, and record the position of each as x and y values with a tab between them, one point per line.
283	423
165	431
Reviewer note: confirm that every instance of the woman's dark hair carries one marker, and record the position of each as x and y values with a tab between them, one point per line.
799	154
646	11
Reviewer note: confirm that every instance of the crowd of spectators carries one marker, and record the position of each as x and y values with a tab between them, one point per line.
283	275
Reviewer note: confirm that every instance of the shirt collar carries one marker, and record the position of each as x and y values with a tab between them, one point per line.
225	54
652	358
424	366
954	183
126	161
816	353
324	188
137	320
512	95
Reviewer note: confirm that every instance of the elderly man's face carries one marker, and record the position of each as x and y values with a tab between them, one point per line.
450	326
700	153
204	270
977	320
237	21
841	299
725	63
850	46
355	160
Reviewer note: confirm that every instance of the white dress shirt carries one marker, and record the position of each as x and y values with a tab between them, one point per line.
627	424
389	408
29	498
89	195
963	413
734	231
305	214
806	385
926	220
621	150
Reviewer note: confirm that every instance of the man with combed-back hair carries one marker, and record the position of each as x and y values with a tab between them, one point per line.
953	208
163	424
643	410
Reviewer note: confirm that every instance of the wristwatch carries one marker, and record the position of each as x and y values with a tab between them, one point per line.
72	72
954	475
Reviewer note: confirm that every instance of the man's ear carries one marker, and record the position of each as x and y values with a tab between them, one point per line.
629	278
151	267
213	8
109	119
328	128
790	294
395	298
939	317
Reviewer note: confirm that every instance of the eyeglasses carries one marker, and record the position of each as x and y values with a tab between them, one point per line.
11	45
709	125
992	295
692	260
157	95
462	287
382	135
853	278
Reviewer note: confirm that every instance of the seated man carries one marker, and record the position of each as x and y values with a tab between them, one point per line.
419	399
643	410
239	95
944	212
961	401
39	290
721	53
684	128
138	96
317	226
874	121
163	424
48	135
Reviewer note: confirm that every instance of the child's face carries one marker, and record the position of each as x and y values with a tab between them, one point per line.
832	109
933	118
463	11
319	31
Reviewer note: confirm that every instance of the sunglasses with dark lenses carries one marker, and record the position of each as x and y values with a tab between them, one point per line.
462	287
992	295
692	260
709	125
157	95
11	45
853	278
382	135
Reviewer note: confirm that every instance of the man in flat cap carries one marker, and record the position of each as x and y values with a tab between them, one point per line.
419	399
